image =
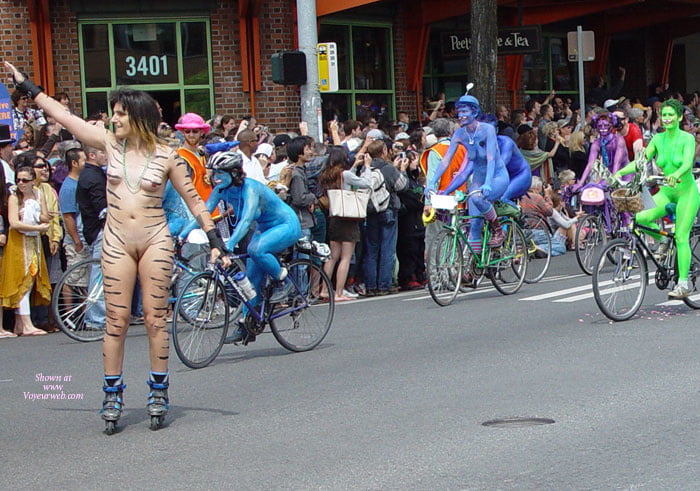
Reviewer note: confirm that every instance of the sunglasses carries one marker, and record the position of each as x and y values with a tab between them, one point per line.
40	166
22	180
187	132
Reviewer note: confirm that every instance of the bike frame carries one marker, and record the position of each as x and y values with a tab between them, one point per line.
483	258
258	312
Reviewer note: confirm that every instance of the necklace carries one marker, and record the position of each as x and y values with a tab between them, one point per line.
133	189
473	135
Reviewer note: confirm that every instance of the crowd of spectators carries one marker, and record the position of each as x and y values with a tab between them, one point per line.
44	227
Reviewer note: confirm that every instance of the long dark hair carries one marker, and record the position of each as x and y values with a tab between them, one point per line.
338	161
143	114
20	196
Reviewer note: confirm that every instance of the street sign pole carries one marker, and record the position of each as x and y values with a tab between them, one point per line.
579	47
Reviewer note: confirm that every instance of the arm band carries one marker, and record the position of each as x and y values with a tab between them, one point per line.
215	240
28	87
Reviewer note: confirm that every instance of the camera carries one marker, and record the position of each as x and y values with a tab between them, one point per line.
402	155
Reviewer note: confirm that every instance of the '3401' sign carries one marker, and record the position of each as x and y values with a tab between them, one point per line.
517	40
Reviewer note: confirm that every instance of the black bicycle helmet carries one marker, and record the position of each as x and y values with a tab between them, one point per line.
225	161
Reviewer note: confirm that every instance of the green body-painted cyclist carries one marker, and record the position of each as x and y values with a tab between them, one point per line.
674	150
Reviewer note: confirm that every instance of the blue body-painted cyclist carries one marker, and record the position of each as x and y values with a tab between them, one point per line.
277	226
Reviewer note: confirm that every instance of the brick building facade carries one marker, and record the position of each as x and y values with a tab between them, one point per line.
244	34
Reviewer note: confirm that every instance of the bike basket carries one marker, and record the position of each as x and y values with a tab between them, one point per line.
632	203
443	202
593	196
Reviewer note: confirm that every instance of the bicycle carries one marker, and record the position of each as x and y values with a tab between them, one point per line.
601	223
621	272
450	255
538	237
299	321
74	296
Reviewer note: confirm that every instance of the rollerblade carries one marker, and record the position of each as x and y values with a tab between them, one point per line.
158	402
113	405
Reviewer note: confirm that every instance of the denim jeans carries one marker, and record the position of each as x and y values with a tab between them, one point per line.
380	248
95	314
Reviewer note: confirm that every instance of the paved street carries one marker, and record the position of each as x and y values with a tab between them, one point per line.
394	398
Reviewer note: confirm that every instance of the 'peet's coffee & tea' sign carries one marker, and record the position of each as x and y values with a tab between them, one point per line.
516	40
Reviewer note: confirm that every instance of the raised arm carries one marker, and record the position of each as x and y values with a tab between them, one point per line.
83	131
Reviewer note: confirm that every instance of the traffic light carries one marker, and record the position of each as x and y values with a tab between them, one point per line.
289	68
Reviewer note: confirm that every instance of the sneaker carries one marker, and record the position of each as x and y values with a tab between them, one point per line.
350	294
393	290
240	335
282	292
371	293
540	253
381	293
360	289
679	292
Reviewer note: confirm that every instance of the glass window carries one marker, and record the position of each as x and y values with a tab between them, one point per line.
373	106
335	104
145	53
96	55
197	101
550	69
535	72
365	68
96	102
444	74
371	58
195	62
170	59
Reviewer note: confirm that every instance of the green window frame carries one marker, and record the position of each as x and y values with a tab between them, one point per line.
193	91
359	83
550	70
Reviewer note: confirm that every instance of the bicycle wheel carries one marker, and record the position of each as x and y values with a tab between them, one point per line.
620	279
444	267
509	261
693	300
308	317
590	239
71	299
538	238
201	325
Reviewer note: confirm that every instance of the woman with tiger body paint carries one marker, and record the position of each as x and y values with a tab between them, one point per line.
136	237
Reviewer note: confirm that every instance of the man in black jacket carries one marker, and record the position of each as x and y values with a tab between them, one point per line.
382	228
91	195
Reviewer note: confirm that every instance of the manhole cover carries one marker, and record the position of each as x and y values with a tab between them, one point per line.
510	422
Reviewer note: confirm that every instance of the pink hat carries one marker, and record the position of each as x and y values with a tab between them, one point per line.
192	121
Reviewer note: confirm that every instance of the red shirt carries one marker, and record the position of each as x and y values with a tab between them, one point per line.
632	136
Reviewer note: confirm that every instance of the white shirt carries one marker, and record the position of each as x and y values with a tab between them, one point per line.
252	168
276	169
9	173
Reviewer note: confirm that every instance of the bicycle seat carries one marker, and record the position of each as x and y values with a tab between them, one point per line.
314	248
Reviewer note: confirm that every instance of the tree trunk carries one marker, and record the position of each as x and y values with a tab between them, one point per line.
482	55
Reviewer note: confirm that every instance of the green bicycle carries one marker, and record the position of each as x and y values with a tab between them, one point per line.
453	263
